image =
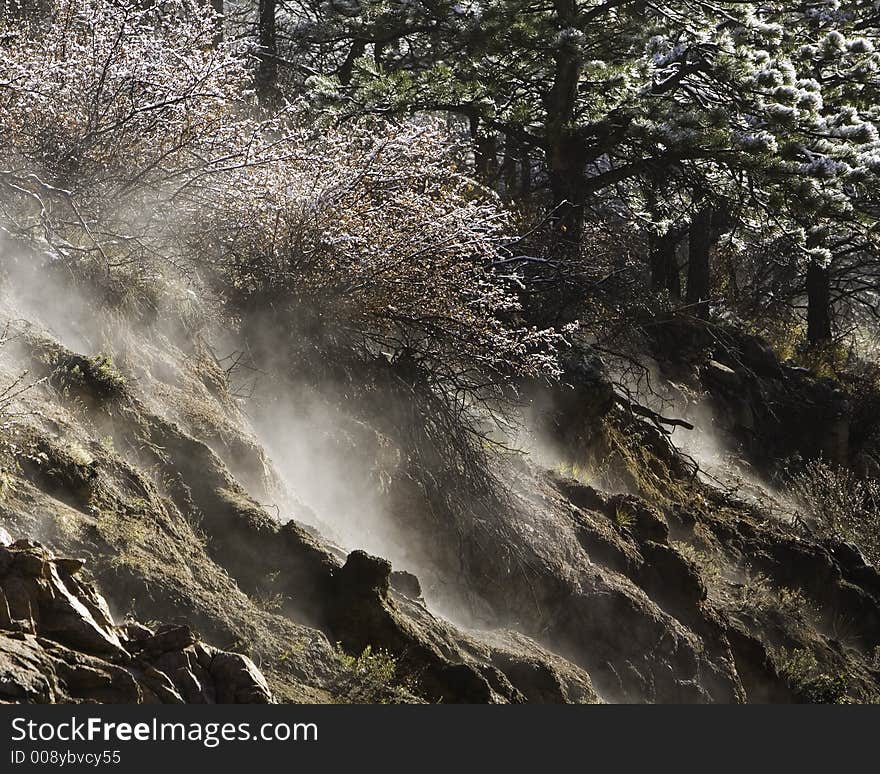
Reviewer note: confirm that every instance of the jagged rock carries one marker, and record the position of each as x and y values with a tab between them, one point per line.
675	583
776	411
578	493
160	685
237	680
263	556
43	597
26	672
760	678
362	575
598	577
406	583
604	543
135	632
169	638
722	375
758	355
571	410
58	643
644	522
770	409
542	677
35	670
854	567
92	679
448	665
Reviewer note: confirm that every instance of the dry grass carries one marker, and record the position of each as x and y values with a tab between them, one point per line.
835	503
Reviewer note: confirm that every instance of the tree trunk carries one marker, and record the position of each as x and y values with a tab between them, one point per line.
511	152
566	152
699	245
217	5
525	171
663	259
818	303
379	54
661	256
568	185
673	275
485	151
346	70
267	70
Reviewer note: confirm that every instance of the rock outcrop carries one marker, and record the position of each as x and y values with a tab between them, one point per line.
448	665
58	643
643	586
775	410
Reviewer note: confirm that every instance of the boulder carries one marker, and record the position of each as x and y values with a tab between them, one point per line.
443	663
406	583
570	411
58	643
237	680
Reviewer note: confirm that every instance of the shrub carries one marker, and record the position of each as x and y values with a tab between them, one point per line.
808	682
101	99
149	150
373	677
837	504
370	236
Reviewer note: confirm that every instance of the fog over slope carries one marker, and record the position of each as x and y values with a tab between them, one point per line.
237	516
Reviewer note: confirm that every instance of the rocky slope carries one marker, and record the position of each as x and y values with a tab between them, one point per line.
614	574
59	644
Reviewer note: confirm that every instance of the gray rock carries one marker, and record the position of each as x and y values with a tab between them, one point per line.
58	643
238	681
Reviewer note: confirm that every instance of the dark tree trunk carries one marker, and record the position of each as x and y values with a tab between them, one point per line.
525	171
267	70
346	70
485	150
217	5
662	257
673	275
511	151
568	185
818	303
699	245
565	148
486	156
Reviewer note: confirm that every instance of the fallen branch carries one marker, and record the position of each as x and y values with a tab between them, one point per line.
657	419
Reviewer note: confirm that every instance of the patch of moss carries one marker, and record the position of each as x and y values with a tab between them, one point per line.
97	375
70	373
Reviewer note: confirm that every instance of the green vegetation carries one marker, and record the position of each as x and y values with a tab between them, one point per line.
809	683
78	376
837	503
373	677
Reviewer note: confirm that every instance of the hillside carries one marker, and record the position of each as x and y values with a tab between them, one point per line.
439	351
612	573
